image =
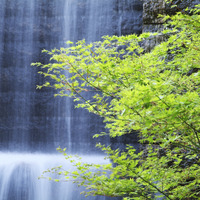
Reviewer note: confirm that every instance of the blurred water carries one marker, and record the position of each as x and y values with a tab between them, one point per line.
33	120
19	177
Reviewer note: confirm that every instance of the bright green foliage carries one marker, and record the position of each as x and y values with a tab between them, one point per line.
155	93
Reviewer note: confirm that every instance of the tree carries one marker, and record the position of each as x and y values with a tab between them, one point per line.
153	93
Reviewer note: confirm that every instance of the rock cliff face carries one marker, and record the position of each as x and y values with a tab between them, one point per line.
152	8
152	23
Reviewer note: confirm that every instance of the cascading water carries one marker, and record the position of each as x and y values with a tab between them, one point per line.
19	180
32	122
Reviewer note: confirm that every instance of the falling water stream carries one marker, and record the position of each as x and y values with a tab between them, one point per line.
32	122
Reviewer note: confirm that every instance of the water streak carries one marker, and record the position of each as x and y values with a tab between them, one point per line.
33	120
19	177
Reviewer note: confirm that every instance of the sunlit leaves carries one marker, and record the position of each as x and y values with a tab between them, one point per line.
154	93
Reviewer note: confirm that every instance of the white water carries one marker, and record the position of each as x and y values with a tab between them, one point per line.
33	120
19	177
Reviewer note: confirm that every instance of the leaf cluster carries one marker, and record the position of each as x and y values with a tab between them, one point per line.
154	93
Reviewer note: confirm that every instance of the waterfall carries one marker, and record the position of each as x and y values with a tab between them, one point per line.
19	180
32	122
